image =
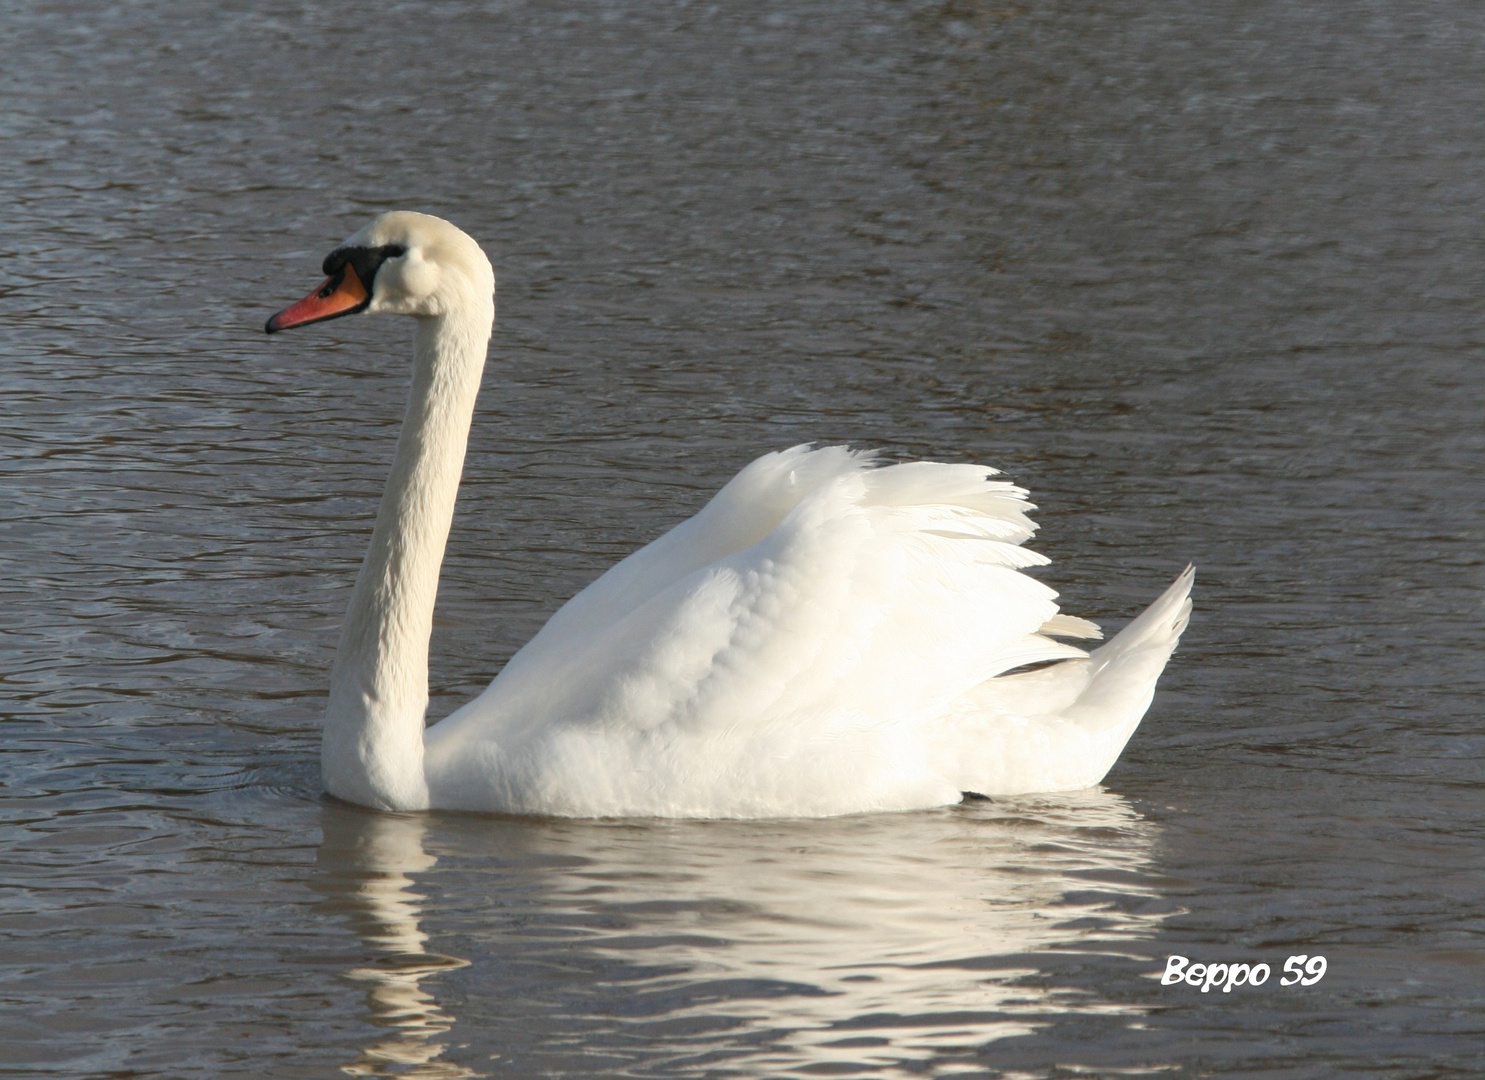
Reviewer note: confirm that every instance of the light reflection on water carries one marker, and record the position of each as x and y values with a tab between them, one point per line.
863	944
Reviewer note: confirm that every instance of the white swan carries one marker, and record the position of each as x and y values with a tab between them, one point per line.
824	637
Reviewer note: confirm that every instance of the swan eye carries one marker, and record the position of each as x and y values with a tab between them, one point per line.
332	284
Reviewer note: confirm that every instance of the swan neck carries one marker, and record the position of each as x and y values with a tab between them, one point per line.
372	752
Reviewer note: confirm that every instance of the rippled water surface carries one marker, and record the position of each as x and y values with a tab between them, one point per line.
1207	278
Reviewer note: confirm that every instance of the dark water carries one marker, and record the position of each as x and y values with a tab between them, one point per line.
1205	277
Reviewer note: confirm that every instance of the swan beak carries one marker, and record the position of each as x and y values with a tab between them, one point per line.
341	294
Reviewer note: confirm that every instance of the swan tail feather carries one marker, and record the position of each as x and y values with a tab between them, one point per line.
1072	627
1062	726
1123	672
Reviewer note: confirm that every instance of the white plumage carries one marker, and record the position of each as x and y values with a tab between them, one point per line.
826	636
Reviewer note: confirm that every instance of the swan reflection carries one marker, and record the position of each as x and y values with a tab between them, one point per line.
363	868
861	945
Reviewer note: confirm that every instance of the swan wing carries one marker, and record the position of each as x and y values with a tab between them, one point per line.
784	651
743	512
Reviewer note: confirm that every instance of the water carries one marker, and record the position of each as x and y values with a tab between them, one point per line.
1205	277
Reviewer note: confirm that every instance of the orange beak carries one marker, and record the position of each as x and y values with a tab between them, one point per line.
341	294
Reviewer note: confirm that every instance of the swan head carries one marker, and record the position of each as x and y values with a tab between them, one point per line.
402	263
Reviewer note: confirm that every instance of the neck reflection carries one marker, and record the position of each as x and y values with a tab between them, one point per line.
363	870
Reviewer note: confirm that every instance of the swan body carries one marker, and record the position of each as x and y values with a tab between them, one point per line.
827	636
